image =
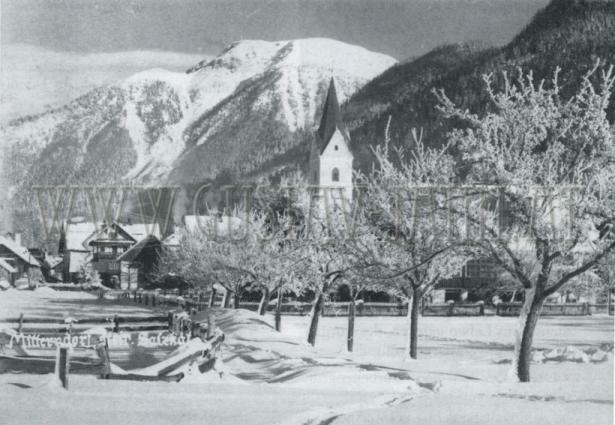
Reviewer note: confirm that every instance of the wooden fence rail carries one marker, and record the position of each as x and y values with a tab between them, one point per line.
332	309
375	309
583	309
44	325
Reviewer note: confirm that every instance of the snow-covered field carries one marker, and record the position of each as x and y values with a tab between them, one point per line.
272	378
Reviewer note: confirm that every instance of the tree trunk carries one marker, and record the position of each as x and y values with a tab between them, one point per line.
351	316
212	297
278	312
226	302
236	300
262	307
414	306
525	333
316	310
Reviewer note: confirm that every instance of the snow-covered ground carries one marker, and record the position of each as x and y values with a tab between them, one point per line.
272	378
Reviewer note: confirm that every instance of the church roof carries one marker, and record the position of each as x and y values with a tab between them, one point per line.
331	119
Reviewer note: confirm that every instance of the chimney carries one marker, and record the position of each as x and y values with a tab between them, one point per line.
18	238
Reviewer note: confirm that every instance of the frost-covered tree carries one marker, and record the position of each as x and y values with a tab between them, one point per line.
89	275
548	166
410	244
189	260
316	237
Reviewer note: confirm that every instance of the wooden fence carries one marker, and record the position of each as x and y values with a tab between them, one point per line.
45	326
583	309
40	344
454	309
333	309
157	299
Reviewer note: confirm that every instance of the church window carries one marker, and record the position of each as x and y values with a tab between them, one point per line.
336	148
335	175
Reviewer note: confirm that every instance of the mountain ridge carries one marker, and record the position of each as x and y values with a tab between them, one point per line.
566	33
232	115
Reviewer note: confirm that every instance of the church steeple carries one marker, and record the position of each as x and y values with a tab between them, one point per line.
330	156
331	119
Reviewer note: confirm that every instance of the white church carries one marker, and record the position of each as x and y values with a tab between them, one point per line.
330	156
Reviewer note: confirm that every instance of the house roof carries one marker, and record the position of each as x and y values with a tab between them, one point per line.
331	120
133	252
6	266
78	235
20	251
205	223
140	231
78	259
113	234
53	260
172	240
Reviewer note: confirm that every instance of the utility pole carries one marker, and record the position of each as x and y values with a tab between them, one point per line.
29	261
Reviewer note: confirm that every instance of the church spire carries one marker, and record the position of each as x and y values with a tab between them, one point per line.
331	118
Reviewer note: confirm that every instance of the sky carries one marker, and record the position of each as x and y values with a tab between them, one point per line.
401	28
54	50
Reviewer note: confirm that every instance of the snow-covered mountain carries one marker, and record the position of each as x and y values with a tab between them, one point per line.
247	113
234	112
35	79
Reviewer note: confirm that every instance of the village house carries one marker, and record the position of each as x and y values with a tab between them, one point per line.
16	262
139	264
101	245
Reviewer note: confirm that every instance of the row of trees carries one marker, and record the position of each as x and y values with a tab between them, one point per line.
526	185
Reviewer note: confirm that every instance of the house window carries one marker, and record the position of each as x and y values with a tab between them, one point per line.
335	175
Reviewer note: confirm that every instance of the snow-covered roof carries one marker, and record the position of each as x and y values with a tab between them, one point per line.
77	260
6	266
140	231
171	240
53	260
133	252
20	251
77	233
205	223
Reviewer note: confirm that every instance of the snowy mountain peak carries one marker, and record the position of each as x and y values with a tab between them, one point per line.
319	52
236	113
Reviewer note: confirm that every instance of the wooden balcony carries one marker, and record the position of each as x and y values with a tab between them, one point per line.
104	256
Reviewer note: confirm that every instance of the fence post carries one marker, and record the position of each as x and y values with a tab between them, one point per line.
170	320
211	325
63	366
135	296
20	323
153	300
449	312
116	324
103	353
